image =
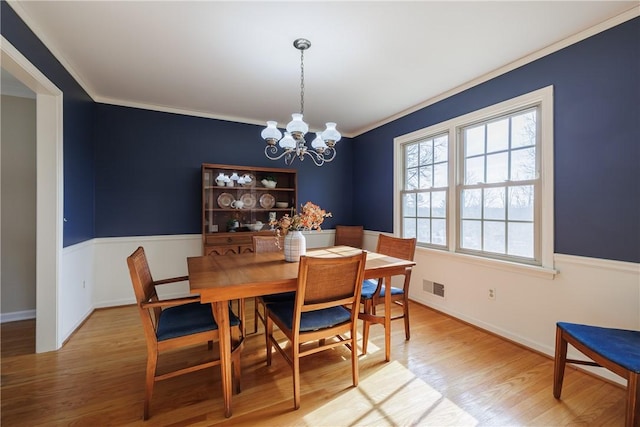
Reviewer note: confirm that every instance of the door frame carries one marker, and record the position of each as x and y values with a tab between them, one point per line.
49	193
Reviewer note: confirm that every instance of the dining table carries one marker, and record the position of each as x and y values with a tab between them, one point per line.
221	279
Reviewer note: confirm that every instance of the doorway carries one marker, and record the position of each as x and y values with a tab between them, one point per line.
49	192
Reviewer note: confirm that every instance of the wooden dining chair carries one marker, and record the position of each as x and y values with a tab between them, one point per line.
172	324
373	290
267	244
318	313
615	349
349	235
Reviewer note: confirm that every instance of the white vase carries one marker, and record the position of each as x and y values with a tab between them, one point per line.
295	245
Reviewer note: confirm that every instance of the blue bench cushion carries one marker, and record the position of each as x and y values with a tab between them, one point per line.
311	320
369	288
188	319
621	346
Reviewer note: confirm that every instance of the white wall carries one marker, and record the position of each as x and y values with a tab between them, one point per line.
525	309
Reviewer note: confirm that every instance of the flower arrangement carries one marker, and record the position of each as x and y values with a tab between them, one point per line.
311	218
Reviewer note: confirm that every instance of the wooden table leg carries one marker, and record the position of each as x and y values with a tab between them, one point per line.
387	318
221	314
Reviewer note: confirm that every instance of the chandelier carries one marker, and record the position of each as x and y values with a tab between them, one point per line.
293	144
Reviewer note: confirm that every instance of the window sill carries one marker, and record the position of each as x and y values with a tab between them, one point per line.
514	267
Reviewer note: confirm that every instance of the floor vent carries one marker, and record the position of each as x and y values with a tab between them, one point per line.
434	288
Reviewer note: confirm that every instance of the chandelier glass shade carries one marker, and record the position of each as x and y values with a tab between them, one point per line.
293	144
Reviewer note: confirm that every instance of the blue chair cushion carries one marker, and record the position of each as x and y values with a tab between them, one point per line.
286	296
369	288
188	319
311	320
621	346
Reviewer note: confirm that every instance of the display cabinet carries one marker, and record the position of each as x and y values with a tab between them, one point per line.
240	201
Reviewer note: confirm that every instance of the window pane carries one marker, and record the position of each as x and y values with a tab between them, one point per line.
494	237
521	200
411	155
523	164
523	129
474	170
471	235
424	205
439	232
494	203
409	227
411	179
498	135
474	141
426	153
441	149
409	205
424	230
439	204
521	239
440	177
497	167
471	202
425	177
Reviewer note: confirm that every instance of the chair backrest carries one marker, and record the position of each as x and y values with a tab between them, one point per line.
396	247
349	235
329	282
144	289
268	243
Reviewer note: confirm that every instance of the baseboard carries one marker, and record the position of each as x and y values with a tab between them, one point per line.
17	315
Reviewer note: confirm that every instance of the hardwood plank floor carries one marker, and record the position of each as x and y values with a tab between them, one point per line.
449	373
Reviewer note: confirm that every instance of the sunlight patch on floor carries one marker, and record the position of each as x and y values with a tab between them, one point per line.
391	396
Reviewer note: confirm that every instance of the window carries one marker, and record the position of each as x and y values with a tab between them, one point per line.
482	184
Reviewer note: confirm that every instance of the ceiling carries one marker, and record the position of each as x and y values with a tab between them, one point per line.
369	61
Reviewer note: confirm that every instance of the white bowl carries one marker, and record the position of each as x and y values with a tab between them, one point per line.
254	227
269	184
282	205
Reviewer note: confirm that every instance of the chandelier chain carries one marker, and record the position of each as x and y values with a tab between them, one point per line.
302	81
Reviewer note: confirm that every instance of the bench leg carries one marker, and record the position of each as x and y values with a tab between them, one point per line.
633	400
559	363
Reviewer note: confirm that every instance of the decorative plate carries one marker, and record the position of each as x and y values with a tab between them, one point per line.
267	201
225	200
249	200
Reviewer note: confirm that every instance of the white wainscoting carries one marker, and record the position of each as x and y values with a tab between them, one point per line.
525	309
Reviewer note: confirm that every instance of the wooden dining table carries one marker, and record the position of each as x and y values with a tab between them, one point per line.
220	279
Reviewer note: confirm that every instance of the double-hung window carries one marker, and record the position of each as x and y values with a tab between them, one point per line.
482	184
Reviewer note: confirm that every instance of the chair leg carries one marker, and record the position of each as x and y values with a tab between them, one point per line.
237	373
365	326
559	363
268	334
405	309
354	356
633	400
152	362
295	359
255	315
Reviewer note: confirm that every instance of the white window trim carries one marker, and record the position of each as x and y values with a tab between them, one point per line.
544	97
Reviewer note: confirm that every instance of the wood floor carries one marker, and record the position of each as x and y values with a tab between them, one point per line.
448	374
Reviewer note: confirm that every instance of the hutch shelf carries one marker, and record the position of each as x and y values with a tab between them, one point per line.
232	212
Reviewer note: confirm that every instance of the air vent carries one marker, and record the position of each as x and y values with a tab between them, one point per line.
434	288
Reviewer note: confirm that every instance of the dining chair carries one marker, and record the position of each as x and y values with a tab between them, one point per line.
319	313
267	244
615	349
349	235
175	323
373	290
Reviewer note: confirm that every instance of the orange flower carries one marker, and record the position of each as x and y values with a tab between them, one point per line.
310	219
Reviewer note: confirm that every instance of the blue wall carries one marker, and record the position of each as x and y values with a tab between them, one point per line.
77	119
597	139
147	167
135	172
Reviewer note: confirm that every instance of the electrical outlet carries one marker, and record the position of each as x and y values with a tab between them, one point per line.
492	294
